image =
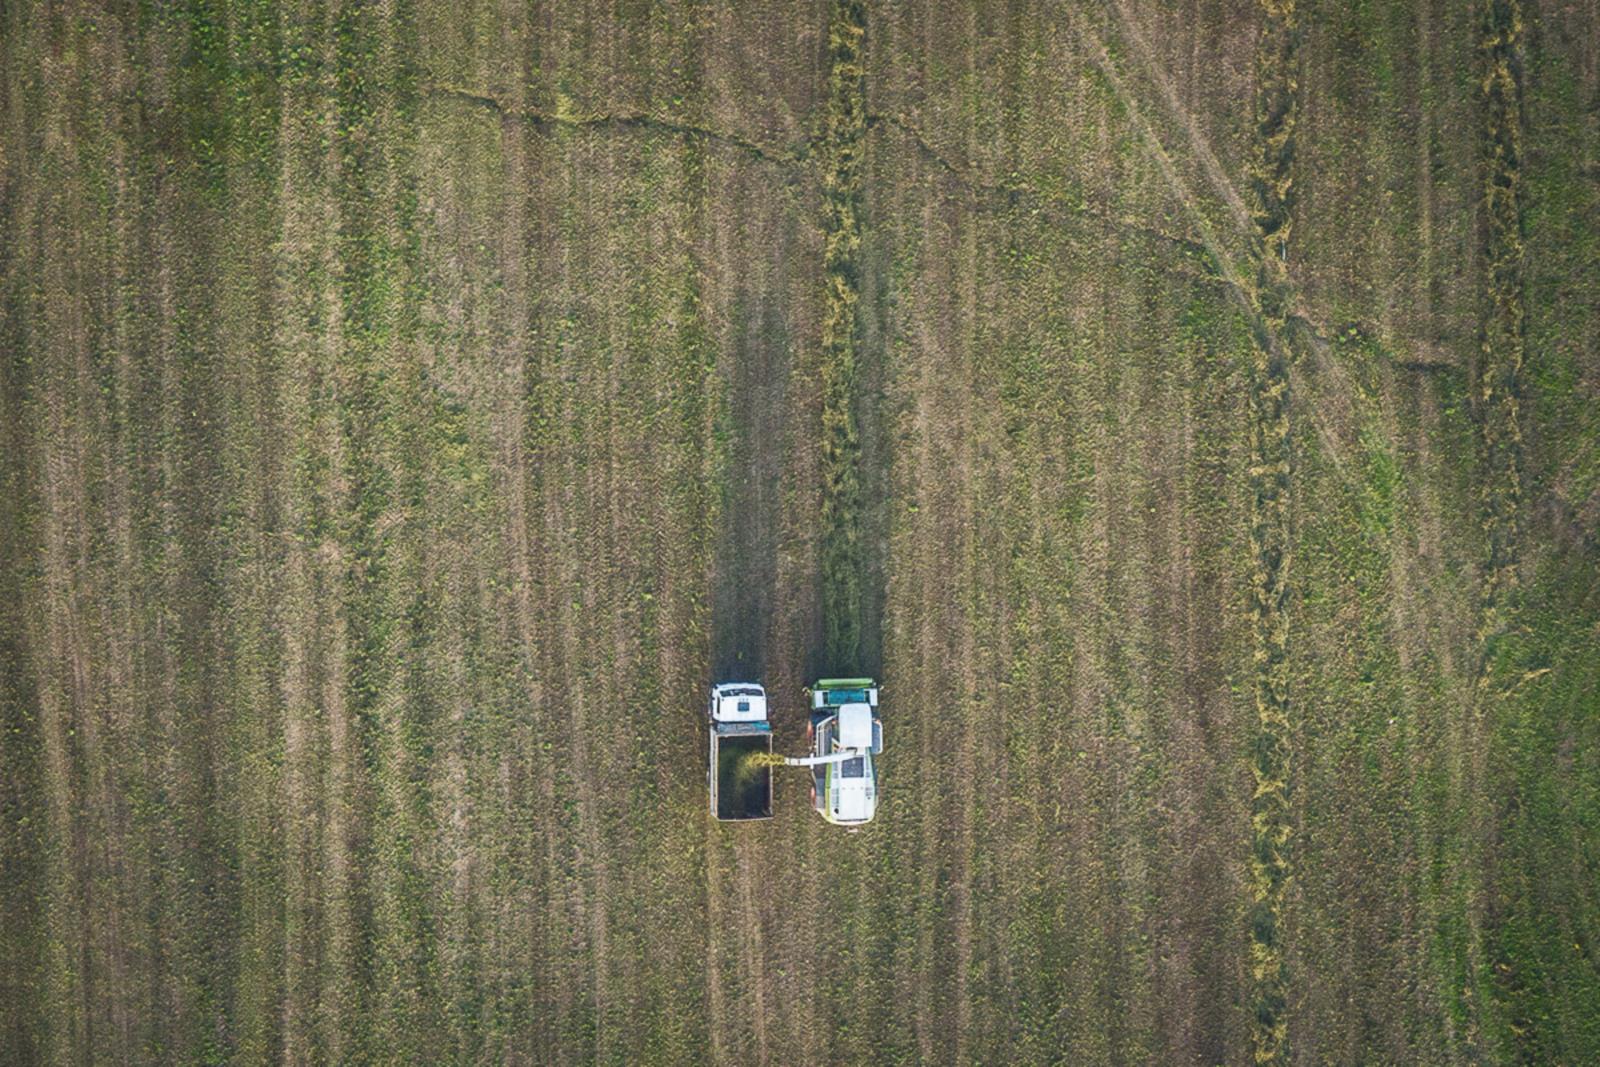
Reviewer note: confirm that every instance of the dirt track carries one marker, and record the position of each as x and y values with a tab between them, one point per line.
408	409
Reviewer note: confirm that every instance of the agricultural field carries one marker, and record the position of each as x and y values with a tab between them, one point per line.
1189	411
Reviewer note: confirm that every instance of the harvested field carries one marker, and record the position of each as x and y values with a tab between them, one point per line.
1189	412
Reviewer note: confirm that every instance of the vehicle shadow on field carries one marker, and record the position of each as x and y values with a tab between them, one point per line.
766	435
745	590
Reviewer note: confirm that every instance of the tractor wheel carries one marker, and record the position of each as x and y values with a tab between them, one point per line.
811	733
813	788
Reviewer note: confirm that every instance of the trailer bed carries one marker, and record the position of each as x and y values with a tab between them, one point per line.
739	791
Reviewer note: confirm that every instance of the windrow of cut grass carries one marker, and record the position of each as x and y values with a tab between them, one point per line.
1271	809
1537	943
841	439
1499	372
1543	938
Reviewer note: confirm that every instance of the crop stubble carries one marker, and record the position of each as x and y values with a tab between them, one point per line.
398	441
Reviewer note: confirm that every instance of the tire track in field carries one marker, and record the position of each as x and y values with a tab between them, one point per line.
359	685
1013	195
1292	332
194	882
61	690
25	806
1198	141
942	810
521	429
514	894
429	463
79	785
748	874
525	443
966	837
739	535
384	964
744	595
49	326
759	632
253	465
1100	55
623	120
566	511
110	427
302	304
931	447
1423	655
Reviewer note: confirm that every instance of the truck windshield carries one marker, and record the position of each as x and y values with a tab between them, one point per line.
840	697
853	768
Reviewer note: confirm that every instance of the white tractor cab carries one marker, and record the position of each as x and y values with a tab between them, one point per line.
738	702
846	736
